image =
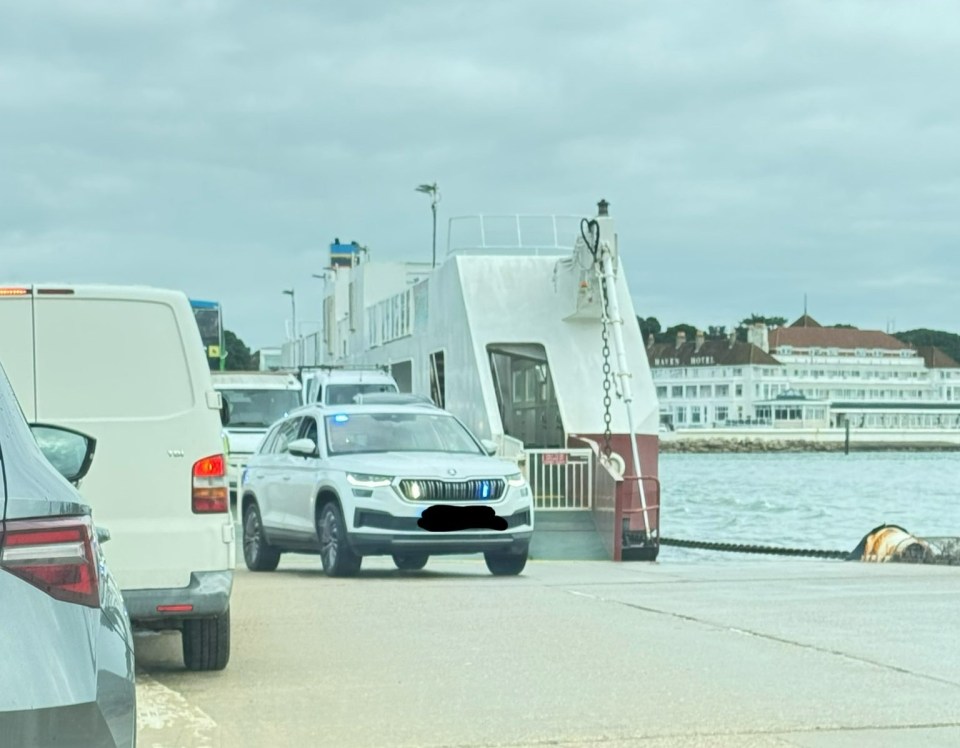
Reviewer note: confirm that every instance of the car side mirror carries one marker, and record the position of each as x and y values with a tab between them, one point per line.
224	411
489	446
302	448
70	452
103	535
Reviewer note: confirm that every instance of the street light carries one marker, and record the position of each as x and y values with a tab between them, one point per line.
327	332
431	189
293	304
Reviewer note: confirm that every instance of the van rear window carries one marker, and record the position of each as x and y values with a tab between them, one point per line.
104	358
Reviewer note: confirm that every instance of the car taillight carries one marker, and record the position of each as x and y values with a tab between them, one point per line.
54	554
211	494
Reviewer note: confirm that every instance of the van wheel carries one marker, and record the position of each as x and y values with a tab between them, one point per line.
206	642
257	552
505	564
338	558
410	561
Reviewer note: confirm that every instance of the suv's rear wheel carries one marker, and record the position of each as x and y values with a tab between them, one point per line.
338	558
505	564
410	561
206	642
257	552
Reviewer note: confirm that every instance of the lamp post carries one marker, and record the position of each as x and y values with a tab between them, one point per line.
431	189
293	305
325	276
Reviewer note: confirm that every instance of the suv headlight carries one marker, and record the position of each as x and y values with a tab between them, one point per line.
364	480
516	481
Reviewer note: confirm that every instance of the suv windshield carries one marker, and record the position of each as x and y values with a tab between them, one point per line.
259	408
397	432
343	394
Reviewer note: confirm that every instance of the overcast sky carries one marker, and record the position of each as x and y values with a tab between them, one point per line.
751	151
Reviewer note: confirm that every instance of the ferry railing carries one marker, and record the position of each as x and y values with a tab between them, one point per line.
560	479
618	512
512	234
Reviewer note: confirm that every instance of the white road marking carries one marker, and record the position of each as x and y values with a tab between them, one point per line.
165	719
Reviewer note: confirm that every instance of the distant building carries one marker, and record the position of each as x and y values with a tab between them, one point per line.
805	376
269	359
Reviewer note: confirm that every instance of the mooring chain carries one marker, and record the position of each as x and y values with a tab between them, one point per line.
764	549
590	231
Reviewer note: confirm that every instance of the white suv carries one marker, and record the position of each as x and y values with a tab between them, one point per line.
397	477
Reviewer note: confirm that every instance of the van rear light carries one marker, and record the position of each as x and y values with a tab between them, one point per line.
55	555
10	291
175	608
211	494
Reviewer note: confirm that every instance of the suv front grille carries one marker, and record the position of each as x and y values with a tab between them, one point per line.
489	489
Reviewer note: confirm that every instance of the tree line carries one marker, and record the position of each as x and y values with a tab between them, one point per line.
948	342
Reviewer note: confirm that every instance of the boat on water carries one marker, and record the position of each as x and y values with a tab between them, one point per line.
519	331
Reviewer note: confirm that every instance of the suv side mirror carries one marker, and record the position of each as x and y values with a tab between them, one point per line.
302	448
489	446
70	452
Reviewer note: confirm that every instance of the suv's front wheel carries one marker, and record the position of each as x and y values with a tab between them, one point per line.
257	553
338	558
505	564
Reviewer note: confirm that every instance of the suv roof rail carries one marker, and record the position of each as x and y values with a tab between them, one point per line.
344	367
393	398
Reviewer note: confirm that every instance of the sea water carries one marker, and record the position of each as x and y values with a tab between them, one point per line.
820	500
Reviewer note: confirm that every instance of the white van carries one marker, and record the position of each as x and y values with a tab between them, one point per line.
127	366
254	401
339	385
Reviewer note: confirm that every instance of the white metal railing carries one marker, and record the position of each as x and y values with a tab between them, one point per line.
560	478
512	234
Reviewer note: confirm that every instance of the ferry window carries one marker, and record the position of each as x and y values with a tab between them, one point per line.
436	379
402	372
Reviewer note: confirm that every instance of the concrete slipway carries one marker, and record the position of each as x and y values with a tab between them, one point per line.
772	652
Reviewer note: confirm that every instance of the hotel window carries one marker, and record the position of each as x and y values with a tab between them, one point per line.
691	391
738	372
706	390
722	390
739	390
661	391
721	413
695	414
681	415
677	391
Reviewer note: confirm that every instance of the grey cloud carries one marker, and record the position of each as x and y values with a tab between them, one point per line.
751	151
